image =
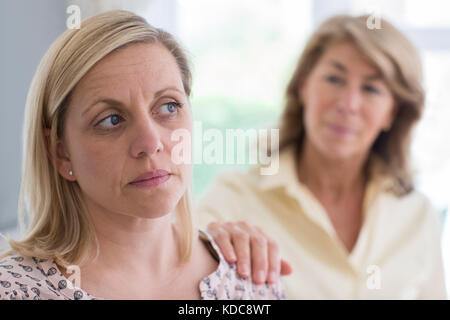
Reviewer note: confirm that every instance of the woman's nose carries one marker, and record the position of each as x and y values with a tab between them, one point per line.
350	100
146	139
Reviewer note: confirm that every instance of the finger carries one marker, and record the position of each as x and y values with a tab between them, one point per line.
273	258
223	239
286	268
283	267
241	242
274	262
259	262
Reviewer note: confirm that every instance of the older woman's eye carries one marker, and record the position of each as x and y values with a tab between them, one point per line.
334	79
169	108
371	89
110	121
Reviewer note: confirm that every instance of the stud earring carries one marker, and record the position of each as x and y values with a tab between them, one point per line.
70	173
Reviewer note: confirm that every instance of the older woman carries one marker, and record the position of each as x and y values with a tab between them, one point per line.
342	207
99	180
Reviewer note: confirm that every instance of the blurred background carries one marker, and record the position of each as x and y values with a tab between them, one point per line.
243	54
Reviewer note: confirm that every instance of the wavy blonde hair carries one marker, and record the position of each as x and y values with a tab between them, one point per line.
58	226
399	63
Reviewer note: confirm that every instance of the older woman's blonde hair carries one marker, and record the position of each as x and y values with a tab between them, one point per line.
398	62
58	226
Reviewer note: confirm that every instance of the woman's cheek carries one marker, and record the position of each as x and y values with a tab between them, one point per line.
180	156
313	115
96	161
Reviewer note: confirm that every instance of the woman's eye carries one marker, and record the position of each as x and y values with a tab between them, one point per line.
334	79
169	108
110	121
371	89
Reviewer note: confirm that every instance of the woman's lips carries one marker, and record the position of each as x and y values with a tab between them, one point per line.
339	130
151	179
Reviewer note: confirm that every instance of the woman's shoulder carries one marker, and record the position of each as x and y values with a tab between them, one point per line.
31	278
223	197
423	207
414	201
225	283
394	193
280	171
21	277
411	210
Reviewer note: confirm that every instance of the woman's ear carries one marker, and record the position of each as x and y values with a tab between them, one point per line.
63	163
60	159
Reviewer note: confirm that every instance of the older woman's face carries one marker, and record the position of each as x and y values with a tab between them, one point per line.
117	138
347	103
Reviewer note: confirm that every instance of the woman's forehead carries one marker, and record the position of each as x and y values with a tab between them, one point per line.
145	65
345	57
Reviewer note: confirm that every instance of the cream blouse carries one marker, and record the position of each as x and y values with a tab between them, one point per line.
397	254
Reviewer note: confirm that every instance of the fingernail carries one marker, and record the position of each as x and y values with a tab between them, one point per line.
260	276
272	276
245	270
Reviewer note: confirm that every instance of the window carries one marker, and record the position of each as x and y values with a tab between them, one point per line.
244	53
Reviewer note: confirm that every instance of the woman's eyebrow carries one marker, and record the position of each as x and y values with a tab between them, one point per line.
372	77
341	67
117	103
161	92
109	101
338	65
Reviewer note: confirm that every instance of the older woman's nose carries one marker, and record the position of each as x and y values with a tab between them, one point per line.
146	139
350	100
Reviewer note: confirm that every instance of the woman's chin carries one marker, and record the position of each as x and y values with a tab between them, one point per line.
152	212
155	208
339	151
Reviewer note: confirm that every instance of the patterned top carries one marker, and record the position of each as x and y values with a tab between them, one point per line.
28	278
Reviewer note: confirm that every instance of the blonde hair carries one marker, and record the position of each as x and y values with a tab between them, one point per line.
397	60
58	226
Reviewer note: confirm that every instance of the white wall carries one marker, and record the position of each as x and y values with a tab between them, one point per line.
27	28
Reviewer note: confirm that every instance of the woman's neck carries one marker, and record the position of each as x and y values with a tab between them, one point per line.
139	245
331	177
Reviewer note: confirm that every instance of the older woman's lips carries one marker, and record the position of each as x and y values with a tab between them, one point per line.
339	130
151	179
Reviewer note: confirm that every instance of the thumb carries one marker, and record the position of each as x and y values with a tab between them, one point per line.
286	268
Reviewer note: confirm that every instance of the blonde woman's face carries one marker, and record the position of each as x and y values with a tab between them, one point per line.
347	103
117	138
